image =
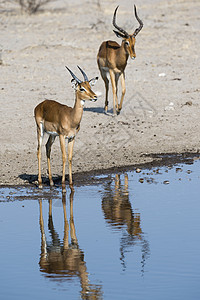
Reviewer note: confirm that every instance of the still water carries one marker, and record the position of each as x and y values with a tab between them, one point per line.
128	236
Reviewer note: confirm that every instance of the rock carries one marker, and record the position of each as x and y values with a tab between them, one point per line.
166	182
162	75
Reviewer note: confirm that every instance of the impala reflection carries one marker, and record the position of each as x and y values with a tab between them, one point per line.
119	214
61	261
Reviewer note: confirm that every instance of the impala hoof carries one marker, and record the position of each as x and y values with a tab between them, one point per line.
118	110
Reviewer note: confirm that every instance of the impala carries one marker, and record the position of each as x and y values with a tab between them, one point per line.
112	58
57	119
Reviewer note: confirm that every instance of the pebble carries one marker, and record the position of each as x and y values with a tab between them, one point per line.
188	103
166	182
170	106
189	171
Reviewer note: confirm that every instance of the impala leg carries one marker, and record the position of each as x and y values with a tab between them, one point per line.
106	81
49	143
123	91
117	75
74	239
117	193
39	166
115	102
117	181
70	153
50	220
43	237
66	225
51	227
50	208
64	157
126	182
40	137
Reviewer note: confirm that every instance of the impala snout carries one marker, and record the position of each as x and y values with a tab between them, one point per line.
131	47
133	57
132	53
94	99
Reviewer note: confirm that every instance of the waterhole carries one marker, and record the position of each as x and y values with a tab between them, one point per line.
126	235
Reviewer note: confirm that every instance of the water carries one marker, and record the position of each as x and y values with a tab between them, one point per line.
128	236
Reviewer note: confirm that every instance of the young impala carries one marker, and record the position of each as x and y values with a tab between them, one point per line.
61	120
112	58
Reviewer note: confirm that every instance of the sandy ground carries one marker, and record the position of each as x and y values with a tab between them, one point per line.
161	108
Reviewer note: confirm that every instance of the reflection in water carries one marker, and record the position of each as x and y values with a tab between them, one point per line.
64	261
118	212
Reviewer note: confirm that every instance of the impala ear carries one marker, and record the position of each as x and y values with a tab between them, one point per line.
74	83
119	35
93	81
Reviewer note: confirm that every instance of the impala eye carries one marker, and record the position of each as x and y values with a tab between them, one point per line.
82	89
127	43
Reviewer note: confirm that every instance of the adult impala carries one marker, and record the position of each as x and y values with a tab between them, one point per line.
61	120
112	58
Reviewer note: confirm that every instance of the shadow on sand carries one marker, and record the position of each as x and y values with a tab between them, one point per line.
99	110
33	179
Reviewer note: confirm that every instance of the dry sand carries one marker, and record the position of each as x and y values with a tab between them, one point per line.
161	108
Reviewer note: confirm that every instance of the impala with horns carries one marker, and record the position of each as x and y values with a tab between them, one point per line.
57	119
112	58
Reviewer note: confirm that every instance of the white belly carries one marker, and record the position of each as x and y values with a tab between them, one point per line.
54	133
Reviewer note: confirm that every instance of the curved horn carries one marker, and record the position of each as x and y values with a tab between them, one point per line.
74	76
84	75
137	30
116	26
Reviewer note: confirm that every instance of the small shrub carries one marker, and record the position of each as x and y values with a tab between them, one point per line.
32	6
